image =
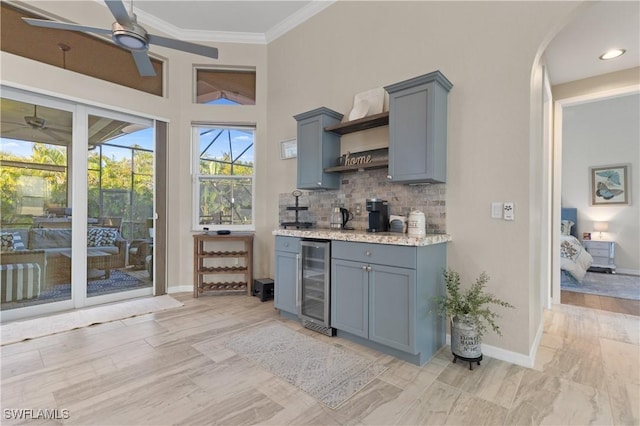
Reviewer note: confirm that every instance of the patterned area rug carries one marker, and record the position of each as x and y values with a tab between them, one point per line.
117	282
328	373
611	285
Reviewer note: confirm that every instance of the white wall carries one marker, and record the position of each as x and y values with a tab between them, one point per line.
601	133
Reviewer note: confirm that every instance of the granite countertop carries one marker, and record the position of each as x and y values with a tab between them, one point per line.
392	238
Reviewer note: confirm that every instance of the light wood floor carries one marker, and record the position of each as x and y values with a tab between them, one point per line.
605	303
165	368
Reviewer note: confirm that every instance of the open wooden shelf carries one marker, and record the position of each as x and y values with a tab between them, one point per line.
373	165
365	123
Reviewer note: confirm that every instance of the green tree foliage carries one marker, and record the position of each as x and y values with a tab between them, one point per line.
11	191
132	175
229	199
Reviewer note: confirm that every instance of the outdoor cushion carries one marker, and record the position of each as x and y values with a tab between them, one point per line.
46	238
97	237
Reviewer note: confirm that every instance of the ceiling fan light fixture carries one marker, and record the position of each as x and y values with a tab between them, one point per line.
611	54
132	39
35	122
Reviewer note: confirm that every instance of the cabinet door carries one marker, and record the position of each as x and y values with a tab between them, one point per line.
285	282
349	297
418	129
317	149
392	307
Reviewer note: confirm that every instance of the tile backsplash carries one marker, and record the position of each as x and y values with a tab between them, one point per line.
356	188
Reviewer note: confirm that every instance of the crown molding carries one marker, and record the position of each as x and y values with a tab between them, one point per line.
289	23
292	21
198	35
302	15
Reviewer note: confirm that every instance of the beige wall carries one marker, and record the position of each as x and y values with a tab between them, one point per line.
602	83
487	49
484	49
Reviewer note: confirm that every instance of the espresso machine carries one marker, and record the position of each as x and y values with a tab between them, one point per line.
378	215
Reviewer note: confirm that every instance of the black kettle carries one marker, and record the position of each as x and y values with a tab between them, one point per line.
346	217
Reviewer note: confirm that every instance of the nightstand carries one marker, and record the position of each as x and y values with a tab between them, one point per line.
603	253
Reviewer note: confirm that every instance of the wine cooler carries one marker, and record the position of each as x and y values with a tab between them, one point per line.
313	285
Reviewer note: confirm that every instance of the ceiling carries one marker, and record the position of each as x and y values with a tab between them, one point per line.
572	54
240	21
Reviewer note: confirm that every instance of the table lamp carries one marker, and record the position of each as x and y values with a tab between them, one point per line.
601	227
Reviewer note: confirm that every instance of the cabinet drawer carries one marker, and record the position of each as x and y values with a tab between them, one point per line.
380	254
288	244
596	244
604	252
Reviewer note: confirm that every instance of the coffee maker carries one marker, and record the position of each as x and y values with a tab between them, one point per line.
378	215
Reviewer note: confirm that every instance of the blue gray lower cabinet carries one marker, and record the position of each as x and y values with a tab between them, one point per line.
381	295
286	268
389	304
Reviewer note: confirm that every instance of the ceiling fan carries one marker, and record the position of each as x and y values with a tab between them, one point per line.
39	124
128	34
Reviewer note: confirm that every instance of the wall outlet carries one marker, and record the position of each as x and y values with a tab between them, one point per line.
508	210
358	209
496	210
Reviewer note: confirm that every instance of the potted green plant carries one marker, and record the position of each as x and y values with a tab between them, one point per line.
470	315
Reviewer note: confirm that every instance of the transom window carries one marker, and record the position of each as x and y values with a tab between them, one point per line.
225	86
224	174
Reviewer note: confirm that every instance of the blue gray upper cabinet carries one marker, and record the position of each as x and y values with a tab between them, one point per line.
317	149
418	129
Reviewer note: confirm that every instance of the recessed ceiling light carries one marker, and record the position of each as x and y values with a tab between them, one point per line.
613	53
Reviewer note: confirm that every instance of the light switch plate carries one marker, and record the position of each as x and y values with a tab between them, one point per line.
496	210
508	210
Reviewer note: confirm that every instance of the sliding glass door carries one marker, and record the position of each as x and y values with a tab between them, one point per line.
35	195
76	205
120	207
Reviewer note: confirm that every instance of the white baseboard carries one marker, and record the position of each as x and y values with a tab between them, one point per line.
180	289
510	356
628	271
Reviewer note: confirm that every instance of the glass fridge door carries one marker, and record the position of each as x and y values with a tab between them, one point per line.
314	281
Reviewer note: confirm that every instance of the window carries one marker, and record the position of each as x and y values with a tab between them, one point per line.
223	177
33	160
225	86
121	179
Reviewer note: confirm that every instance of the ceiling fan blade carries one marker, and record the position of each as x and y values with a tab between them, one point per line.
145	68
14	130
64	26
17	123
52	135
185	46
119	12
58	130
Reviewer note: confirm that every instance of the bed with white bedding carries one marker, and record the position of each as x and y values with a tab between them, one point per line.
574	259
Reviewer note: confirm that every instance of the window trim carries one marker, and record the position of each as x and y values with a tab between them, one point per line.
197	177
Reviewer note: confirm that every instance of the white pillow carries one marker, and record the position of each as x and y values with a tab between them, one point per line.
565	227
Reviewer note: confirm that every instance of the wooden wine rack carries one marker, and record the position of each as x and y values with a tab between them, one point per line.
222	277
